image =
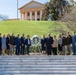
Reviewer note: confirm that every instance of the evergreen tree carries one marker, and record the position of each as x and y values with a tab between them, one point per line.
56	8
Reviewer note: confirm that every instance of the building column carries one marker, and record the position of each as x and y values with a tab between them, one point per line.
35	15
25	15
30	15
20	16
40	14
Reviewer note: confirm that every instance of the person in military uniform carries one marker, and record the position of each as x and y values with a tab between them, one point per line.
74	43
0	44
49	43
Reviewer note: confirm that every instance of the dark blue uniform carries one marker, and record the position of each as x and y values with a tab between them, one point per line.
74	44
0	45
49	43
17	44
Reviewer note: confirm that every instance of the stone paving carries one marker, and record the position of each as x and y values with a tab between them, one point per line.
38	65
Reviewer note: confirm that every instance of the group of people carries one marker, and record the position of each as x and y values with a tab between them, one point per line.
14	45
64	44
49	45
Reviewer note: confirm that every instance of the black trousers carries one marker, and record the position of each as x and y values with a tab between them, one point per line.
54	51
0	50
59	47
27	50
17	50
22	50
49	49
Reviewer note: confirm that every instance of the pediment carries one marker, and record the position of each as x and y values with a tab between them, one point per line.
33	4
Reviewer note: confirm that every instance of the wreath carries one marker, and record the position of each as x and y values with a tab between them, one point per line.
35	40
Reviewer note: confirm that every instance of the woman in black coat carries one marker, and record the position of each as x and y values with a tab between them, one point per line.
22	40
43	44
7	44
0	44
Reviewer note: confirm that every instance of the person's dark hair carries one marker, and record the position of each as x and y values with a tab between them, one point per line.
63	34
28	36
17	34
54	35
75	33
60	36
12	34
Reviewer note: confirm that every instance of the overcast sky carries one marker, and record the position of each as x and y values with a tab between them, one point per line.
9	7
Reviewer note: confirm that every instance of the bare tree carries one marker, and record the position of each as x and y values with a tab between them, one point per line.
70	19
3	17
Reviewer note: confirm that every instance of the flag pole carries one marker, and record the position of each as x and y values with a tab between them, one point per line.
17	9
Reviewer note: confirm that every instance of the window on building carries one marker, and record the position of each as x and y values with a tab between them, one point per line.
28	14
33	14
38	13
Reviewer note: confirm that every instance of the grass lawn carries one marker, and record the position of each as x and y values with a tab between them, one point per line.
28	27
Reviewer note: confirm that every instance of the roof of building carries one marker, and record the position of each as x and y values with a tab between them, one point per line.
32	4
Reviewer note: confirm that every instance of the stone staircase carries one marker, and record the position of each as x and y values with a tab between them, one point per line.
38	65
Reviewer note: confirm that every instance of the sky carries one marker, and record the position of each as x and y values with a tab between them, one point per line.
9	7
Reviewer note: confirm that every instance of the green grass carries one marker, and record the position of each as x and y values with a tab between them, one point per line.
28	27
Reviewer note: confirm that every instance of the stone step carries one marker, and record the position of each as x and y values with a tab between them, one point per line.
38	69
34	56
38	65
34	59
37	72
38	61
39	57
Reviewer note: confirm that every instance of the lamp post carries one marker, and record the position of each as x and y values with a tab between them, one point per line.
17	9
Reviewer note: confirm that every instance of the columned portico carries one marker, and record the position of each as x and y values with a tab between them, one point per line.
31	11
25	15
40	14
35	15
30	15
22	16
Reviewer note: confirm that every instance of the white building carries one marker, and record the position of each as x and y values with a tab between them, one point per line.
31	11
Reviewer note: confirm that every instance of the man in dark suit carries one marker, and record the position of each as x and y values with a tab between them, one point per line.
28	44
12	43
17	45
49	43
68	43
0	44
64	42
22	44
